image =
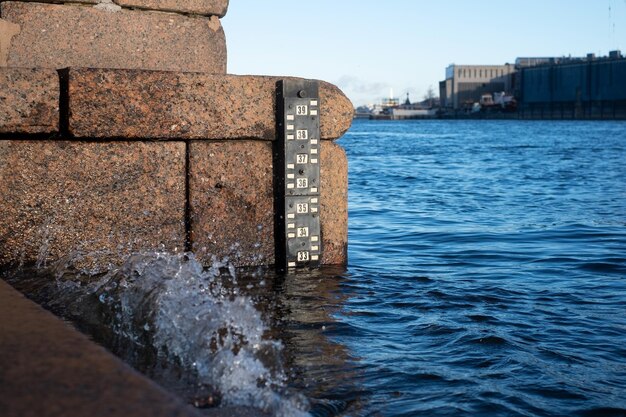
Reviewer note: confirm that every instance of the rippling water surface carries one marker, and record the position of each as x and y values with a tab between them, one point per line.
487	276
487	267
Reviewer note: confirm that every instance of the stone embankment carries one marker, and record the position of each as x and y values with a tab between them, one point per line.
121	132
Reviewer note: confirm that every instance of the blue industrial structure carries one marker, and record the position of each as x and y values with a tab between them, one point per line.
586	88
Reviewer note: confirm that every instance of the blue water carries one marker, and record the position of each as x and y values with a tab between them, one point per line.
487	268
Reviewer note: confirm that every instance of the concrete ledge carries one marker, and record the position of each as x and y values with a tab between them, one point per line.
135	104
29	100
60	36
96	202
231	202
48	369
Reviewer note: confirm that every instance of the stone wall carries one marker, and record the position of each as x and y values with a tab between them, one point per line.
120	133
74	35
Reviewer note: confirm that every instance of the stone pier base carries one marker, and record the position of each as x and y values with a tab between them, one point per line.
97	164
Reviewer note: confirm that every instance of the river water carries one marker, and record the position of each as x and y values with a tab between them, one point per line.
487	267
486	276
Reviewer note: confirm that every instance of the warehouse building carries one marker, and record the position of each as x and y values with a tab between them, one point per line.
465	84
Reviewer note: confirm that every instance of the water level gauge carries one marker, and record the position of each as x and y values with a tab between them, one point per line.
297	175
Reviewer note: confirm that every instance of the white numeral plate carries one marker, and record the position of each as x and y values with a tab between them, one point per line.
302	183
303	232
301	110
302	208
303	255
302	158
302	134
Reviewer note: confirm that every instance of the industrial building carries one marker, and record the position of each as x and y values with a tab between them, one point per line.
543	87
574	88
466	84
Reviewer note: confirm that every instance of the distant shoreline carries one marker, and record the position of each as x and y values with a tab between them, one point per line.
484	116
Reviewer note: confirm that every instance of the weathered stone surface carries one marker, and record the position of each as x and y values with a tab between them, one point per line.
336	111
150	104
59	36
94	202
49	369
60	1
202	7
231	202
7	31
29	100
334	203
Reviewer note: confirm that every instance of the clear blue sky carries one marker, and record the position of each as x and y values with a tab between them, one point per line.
367	47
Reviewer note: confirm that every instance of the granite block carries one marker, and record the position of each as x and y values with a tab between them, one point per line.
334	203
90	203
29	100
61	1
201	7
49	369
59	36
231	202
171	105
7	31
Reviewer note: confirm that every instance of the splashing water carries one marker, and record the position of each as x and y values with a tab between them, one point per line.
168	307
208	327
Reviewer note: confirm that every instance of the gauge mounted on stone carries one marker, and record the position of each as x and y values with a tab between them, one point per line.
297	175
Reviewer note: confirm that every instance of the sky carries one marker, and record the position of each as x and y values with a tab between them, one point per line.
368	47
